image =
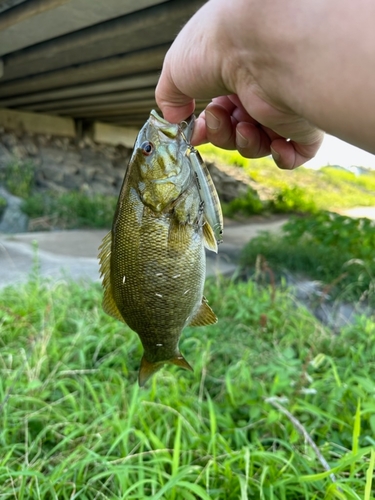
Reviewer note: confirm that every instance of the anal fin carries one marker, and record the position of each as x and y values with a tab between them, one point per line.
205	315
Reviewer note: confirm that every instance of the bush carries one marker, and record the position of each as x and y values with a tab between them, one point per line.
72	210
18	178
328	247
3	205
249	204
292	199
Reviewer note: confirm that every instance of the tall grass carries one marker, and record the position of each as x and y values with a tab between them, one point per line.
71	210
334	249
75	425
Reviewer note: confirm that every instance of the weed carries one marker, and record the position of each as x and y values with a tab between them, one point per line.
74	424
72	210
292	199
249	204
329	247
3	205
18	178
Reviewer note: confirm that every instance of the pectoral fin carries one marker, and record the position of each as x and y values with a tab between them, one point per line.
109	305
148	369
204	316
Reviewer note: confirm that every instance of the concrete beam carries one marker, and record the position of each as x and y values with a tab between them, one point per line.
151	26
8	4
27	10
82	91
34	123
117	109
134	63
112	134
70	106
20	27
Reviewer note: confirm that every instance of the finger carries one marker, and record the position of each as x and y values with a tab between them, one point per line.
220	127
174	105
289	154
252	141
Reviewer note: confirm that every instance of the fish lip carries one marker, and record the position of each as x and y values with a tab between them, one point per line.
172	130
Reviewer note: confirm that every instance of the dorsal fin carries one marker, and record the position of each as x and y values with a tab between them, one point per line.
109	305
209	239
205	315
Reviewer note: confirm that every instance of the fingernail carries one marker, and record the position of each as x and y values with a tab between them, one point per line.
275	154
241	141
211	121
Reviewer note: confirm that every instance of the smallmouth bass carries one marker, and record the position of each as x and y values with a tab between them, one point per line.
153	261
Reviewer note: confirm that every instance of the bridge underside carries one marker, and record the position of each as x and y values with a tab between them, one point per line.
85	60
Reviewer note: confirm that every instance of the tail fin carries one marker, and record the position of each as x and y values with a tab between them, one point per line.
148	369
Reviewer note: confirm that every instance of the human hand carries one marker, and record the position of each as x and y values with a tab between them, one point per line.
208	60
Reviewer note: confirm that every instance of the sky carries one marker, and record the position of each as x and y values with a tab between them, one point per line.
336	152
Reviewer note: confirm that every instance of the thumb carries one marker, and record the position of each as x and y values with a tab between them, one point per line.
174	105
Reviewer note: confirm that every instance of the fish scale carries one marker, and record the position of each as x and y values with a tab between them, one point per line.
153	261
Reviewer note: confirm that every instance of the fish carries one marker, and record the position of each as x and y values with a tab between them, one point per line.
153	262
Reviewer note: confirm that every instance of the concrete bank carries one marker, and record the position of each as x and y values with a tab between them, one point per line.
73	254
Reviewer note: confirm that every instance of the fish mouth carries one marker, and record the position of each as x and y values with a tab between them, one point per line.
172	130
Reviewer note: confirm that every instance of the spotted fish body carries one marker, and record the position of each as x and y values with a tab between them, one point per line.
153	260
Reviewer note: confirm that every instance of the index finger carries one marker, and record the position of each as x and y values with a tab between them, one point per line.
174	105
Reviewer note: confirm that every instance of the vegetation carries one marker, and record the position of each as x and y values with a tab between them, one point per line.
329	247
302	190
18	178
274	396
327	188
3	204
71	210
249	204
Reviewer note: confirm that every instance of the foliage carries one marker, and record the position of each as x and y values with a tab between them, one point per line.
216	155
3	205
301	190
329	247
72	210
74	424
292	199
18	178
249	204
327	188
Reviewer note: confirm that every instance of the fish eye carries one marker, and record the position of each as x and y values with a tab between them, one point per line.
147	148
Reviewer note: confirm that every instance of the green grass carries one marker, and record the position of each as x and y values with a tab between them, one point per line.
75	425
337	250
327	188
302	190
18	177
3	205
71	210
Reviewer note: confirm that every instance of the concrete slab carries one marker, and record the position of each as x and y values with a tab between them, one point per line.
37	123
73	254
